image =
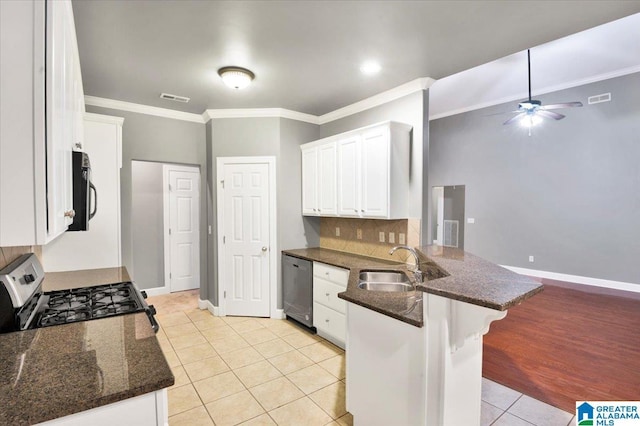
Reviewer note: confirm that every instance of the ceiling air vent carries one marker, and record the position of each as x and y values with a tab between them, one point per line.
596	99
176	98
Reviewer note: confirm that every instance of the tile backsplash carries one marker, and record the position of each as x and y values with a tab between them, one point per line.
362	236
9	254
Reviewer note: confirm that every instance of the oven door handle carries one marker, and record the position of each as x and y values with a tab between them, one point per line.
95	201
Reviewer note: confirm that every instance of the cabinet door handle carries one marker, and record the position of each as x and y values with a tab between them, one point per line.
327	294
327	320
362	211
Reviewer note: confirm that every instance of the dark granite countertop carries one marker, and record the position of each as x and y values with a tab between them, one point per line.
401	306
448	272
52	372
474	280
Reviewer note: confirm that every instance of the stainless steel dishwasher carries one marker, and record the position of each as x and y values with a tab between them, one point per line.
297	289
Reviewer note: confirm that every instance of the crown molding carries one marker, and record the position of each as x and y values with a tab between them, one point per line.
209	114
379	99
142	109
543	91
258	113
101	118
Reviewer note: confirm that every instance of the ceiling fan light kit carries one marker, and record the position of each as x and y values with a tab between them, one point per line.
531	111
236	77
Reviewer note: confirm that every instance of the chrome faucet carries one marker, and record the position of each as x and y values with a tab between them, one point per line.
417	273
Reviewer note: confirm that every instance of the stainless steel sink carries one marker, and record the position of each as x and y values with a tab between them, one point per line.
389	281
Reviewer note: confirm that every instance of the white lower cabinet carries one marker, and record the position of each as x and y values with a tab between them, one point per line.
385	369
150	409
328	310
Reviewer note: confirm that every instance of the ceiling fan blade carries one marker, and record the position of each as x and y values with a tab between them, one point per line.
550	114
563	105
514	118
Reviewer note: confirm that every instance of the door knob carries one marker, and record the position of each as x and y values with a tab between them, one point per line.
264	249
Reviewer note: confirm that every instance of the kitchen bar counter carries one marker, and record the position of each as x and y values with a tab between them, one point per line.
474	280
450	273
56	371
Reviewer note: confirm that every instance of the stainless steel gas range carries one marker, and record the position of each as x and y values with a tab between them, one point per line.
23	304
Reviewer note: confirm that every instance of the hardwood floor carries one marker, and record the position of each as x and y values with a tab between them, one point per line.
565	345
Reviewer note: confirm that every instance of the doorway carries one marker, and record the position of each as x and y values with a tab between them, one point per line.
247	245
447	216
181	200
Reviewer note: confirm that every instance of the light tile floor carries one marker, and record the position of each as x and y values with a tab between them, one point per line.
259	371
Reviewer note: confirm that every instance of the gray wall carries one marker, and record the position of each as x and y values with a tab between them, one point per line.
568	194
409	109
147	223
231	137
150	138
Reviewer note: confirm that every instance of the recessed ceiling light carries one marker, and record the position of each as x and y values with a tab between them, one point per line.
370	68
236	77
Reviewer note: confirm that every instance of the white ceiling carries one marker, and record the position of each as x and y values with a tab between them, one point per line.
306	54
602	52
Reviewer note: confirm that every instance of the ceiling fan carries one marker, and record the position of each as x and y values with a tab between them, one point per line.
531	111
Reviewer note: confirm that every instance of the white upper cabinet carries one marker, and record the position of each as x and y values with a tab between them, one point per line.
349	176
372	172
310	181
319	180
327	179
42	106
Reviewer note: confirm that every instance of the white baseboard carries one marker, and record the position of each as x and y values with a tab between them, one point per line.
596	282
205	304
278	314
156	291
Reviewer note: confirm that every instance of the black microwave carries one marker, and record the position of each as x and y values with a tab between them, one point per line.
85	196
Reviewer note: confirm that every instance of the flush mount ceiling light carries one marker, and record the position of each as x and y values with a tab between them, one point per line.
236	77
370	68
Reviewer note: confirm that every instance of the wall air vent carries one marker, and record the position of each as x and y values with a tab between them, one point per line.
596	99
176	98
450	233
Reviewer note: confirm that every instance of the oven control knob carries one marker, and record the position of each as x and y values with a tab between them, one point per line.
29	278
143	293
152	310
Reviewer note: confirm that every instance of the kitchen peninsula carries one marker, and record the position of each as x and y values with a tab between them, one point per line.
415	357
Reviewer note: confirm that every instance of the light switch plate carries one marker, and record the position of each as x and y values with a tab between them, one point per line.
359	234
471	220
381	236
337	231
402	239
531	259
392	237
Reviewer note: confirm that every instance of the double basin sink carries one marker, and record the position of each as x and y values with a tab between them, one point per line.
387	281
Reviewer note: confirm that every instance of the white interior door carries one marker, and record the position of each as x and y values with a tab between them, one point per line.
184	228
246	210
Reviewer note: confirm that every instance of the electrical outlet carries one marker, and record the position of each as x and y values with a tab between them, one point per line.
392	237
359	234
471	220
402	240
337	231
381	237
531	259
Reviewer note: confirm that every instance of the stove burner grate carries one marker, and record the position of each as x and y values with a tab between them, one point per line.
66	306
